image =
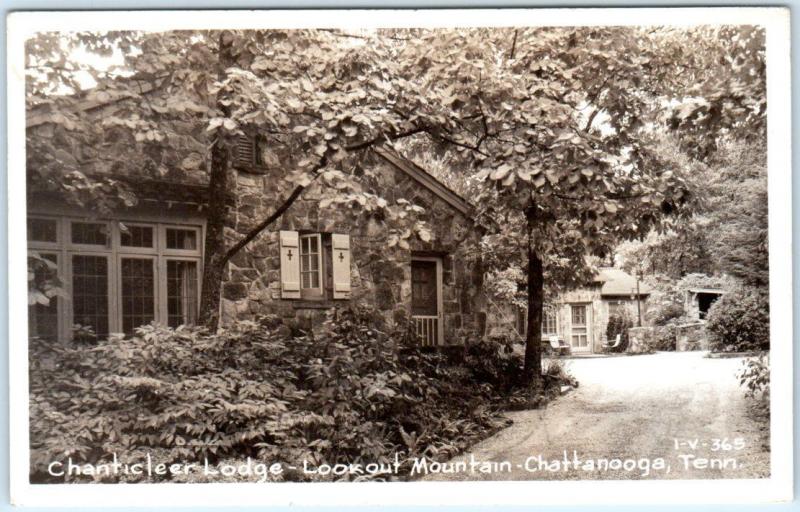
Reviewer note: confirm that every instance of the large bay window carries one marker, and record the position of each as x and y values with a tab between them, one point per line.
117	275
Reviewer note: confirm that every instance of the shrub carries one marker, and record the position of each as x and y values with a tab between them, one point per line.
347	393
739	321
754	376
618	324
667	313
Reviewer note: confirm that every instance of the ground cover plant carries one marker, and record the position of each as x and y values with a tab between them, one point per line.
348	392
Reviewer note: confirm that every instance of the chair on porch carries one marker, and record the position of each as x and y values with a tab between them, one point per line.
559	346
610	347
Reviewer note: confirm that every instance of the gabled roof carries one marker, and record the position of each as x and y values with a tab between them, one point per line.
425	179
616	282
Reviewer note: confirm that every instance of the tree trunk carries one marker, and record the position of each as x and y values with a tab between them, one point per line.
217	208
533	342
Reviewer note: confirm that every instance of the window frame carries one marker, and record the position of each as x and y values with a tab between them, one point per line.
156	296
60	306
125	249
41	243
108	246
162	235
110	287
553	311
114	252
319	291
163	304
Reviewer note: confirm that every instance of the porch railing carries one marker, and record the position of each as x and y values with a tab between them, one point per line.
427	328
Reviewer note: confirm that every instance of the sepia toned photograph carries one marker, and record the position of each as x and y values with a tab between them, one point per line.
358	252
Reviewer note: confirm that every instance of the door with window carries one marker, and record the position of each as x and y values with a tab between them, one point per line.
426	300
580	328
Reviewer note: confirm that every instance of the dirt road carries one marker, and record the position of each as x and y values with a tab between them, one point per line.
625	417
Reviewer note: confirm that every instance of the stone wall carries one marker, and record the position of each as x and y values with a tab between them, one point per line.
691	336
380	275
640	340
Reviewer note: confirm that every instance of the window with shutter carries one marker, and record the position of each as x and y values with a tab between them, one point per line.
290	264
341	266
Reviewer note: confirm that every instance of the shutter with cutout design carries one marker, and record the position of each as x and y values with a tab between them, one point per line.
290	264
341	266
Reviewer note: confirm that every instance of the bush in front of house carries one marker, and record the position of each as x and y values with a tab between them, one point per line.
618	324
739	321
351	392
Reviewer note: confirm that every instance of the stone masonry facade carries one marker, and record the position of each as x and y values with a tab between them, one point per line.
380	276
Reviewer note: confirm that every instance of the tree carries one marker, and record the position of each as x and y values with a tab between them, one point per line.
728	235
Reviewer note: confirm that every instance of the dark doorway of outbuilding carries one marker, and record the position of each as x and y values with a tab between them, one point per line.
704	302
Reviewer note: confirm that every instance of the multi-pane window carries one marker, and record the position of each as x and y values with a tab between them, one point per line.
89	233
138	292
90	293
136	236
549	323
181	292
43	314
311	264
116	275
42	230
182	239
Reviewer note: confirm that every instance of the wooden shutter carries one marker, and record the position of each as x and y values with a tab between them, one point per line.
341	266
244	152
290	264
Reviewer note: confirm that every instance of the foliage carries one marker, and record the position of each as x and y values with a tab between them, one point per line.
729	234
618	324
754	377
348	393
43	280
739	321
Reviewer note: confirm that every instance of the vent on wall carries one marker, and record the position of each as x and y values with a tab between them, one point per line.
245	152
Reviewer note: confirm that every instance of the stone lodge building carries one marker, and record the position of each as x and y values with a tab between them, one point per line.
143	263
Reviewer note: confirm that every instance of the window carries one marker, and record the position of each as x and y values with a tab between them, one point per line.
314	265
181	292
182	239
90	293
89	233
311	265
136	236
138	293
549	324
42	230
43	318
118	275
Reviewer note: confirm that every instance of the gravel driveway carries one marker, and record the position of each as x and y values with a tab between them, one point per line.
625	417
